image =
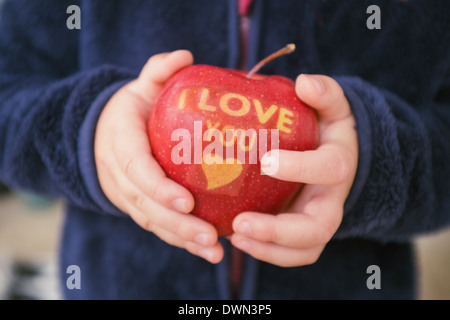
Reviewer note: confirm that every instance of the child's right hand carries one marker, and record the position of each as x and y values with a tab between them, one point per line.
129	175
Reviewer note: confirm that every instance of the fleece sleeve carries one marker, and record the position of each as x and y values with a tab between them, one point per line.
402	187
48	107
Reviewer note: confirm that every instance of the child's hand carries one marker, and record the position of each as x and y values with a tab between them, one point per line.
298	238
132	179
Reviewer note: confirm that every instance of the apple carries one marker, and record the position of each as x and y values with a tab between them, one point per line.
209	129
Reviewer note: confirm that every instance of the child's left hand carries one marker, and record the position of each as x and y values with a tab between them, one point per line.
299	237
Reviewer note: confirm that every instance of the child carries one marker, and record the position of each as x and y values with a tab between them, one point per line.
73	114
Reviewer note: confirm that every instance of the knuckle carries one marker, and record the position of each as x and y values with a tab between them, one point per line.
144	221
316	237
335	89
176	227
277	234
157	188
300	260
147	224
128	166
133	163
101	162
129	194
340	165
136	199
104	164
322	236
288	264
312	258
319	234
139	201
301	172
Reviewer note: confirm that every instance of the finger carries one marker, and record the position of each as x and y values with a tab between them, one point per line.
315	226
214	254
158	69
137	163
323	94
206	248
150	215
189	233
330	164
144	172
276	254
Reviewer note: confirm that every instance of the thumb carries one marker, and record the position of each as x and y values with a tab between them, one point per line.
323	94
158	69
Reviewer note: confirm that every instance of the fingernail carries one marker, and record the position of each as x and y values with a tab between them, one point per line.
317	83
244	228
270	163
181	205
203	239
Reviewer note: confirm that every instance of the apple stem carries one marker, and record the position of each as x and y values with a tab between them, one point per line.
286	50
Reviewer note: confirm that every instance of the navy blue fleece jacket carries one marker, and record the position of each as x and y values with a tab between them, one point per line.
54	83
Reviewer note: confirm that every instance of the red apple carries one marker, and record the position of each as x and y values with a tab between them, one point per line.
221	167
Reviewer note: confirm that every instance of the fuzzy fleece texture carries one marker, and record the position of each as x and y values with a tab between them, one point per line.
54	83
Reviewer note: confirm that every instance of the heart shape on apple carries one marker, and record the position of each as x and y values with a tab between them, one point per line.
209	129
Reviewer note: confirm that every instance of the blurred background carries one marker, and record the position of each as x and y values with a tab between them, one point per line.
29	236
